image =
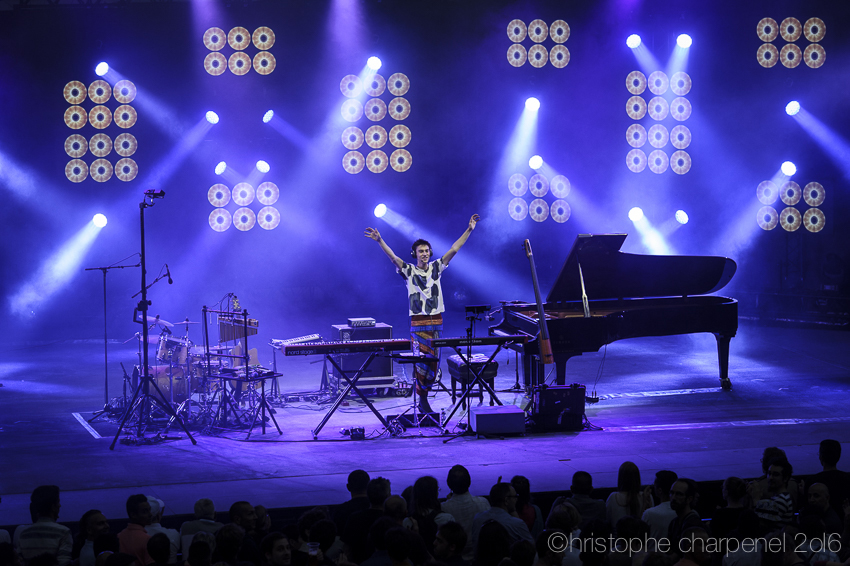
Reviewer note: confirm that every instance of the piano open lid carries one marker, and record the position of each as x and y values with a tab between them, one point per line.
612	274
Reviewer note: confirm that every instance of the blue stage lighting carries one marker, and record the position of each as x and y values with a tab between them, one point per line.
101	69
789	168
373	63
633	41
99	220
635	214
681	217
792	108
262	166
219	169
380	210
684	41
212	117
536	162
267	117
532	104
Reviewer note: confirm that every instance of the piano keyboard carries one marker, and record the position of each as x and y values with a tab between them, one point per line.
277	343
352	346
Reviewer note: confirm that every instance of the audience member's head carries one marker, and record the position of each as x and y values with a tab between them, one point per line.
276	550
683	495
503	495
779	471
563	517
494	543
695	546
93	523
628	478
243	514
205	509
324	533
228	541
310	518
395	507
458	480
829	453
159	548
582	483
199	553
44	502
523	491
818	498
399	544
157	507
734	489
139	510
663	481
206	537
426	493
377	490
378	531
769	454
357	482
523	553
264	521
550	546
450	541
594	538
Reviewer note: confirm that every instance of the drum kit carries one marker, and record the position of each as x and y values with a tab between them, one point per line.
188	380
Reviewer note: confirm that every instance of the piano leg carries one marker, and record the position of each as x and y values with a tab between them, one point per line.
723	360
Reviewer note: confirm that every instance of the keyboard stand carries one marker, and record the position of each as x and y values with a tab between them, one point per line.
352	385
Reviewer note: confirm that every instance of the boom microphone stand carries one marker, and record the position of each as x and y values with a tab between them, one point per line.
144	400
105	350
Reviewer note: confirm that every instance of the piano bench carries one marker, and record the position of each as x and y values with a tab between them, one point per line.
461	374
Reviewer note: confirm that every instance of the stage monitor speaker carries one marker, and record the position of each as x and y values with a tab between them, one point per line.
500	419
558	407
379	374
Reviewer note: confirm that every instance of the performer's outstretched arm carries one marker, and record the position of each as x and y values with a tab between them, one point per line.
462	240
375	235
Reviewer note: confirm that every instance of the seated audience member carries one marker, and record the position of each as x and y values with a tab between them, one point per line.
356	486
104	546
157	508
205	537
159	549
399	543
324	534
395	507
493	542
276	550
462	505
694	548
725	519
244	516
200	553
377	536
818	506
632	537
593	543
525	509
683	495
502	506
770	454
523	553
44	535
133	539
426	514
264	521
228	542
93	523
589	508
357	527
814	542
565	518
774	507
549	551
204	521
628	500
449	544
836	481
658	517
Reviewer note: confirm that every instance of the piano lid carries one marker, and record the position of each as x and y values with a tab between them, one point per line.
612	274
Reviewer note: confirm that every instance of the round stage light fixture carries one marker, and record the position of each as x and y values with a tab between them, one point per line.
635	214
788	168
684	41
682	217
262	166
792	108
99	220
101	69
219	169
633	41
212	117
373	63
536	162
380	210
532	104
267	117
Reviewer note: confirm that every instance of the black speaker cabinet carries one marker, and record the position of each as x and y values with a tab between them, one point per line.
379	374
558	407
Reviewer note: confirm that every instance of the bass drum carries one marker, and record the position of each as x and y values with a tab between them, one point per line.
176	383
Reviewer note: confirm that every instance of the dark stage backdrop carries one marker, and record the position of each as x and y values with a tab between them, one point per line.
316	268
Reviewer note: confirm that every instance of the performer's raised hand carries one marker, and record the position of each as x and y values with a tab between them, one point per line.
473	221
372	233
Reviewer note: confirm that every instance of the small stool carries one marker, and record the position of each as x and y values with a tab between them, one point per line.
460	374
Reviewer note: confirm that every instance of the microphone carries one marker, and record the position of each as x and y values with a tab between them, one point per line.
150	193
168	273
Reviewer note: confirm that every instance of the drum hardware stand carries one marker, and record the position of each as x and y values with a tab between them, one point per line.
142	396
105	270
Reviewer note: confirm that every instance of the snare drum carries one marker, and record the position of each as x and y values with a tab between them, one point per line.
182	386
173	350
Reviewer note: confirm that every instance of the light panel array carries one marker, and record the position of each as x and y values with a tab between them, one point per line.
239	62
791	30
242	195
790	193
537	55
538	209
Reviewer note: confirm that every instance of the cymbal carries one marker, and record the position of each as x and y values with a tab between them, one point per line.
158	320
187	321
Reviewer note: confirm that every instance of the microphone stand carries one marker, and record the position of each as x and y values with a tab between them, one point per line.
144	400
105	347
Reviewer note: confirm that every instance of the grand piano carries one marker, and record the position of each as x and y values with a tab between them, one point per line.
603	294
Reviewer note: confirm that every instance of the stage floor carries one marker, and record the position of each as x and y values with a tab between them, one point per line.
661	407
